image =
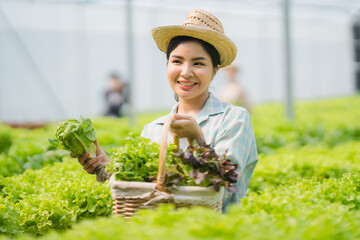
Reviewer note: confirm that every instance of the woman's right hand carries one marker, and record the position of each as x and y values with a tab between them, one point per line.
90	165
186	126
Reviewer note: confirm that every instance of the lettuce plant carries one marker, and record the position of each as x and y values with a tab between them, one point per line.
78	137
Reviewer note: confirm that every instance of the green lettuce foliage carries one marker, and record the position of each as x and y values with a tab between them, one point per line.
316	122
307	210
5	141
137	160
76	136
54	197
287	166
25	154
9	165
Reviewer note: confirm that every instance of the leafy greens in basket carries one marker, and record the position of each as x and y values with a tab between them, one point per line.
137	160
197	166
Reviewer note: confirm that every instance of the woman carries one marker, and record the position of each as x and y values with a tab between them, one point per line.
195	51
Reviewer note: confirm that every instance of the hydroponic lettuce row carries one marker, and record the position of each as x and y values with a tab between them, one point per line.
198	165
54	197
299	190
78	137
307	210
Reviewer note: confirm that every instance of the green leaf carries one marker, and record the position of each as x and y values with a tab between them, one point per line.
76	136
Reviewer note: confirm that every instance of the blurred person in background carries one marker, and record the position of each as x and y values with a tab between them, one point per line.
115	96
195	51
232	92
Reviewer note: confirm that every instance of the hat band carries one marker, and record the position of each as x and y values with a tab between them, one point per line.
198	22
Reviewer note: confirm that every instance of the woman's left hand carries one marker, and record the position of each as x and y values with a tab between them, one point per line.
186	126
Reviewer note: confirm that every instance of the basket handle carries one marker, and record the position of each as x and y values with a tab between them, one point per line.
162	155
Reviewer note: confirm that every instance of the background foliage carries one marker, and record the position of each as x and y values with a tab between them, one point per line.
305	186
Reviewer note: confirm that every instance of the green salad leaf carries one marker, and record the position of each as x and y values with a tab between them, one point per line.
137	160
76	136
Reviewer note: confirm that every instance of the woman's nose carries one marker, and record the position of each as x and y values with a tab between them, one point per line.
186	71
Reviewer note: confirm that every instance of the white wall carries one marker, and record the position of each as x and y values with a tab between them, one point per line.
55	57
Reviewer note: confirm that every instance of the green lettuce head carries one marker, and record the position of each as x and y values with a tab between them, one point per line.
76	136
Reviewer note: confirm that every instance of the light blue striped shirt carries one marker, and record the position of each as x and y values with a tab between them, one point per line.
225	127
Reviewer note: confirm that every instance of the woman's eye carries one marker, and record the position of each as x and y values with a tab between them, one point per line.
176	61
199	64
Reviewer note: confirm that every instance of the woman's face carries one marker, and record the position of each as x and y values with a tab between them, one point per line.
190	71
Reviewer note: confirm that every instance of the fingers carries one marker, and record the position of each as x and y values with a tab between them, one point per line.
177	125
177	116
177	130
182	124
175	134
96	143
179	120
90	165
83	158
98	148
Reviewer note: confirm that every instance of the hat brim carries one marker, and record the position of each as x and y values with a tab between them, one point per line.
225	47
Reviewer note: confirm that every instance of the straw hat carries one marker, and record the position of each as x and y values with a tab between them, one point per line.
202	25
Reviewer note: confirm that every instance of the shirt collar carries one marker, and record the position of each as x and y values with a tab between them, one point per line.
212	106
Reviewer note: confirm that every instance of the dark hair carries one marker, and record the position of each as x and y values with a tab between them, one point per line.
210	49
114	75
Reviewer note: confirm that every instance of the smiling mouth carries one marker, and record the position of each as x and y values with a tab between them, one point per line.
187	84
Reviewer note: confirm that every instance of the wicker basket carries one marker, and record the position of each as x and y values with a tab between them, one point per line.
128	197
